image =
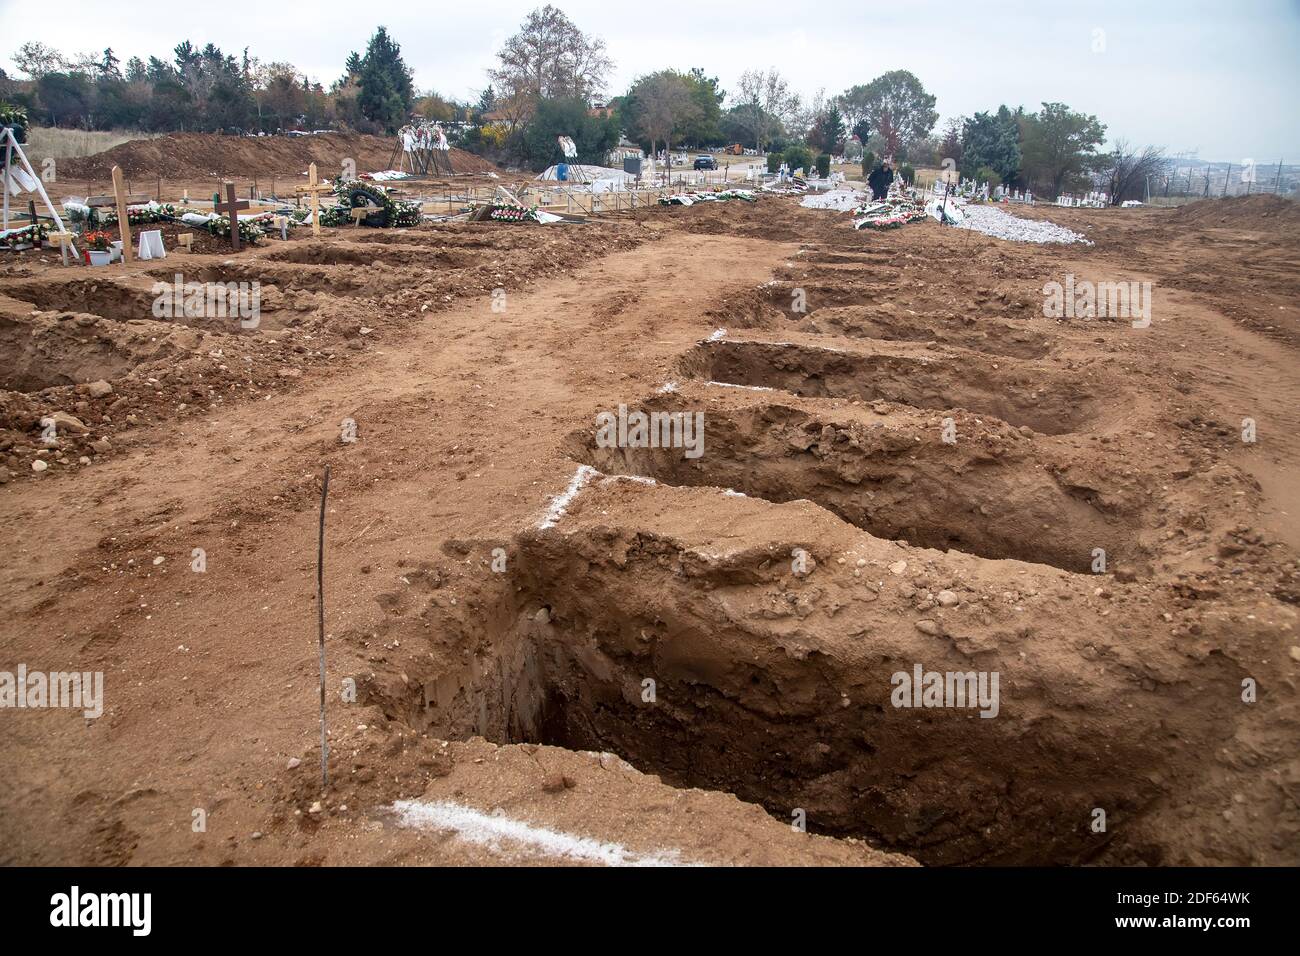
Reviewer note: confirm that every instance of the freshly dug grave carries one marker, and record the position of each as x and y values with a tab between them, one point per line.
73	347
373	255
775	683
995	492
1036	396
70	327
971	331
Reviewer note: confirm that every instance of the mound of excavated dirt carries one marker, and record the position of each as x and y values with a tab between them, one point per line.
1244	212
199	155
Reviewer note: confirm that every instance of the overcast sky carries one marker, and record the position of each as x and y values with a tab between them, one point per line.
1216	76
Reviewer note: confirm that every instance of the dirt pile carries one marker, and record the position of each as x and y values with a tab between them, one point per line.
1241	212
202	155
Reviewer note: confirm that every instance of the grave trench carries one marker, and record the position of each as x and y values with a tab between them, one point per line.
942	382
589	615
492	241
996	336
391	255
891	477
57	356
285	277
102	297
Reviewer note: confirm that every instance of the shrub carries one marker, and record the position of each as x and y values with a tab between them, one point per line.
798	157
773	162
987	175
868	162
907	174
824	165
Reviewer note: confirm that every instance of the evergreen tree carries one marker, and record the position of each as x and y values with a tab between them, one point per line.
384	83
992	140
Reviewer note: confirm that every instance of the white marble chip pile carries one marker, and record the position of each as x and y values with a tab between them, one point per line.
998	224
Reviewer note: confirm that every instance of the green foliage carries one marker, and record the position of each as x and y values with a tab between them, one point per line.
773	162
992	140
907	174
988	175
798	157
868	162
705	127
895	105
1060	147
594	136
824	165
828	131
384	88
659	108
13	115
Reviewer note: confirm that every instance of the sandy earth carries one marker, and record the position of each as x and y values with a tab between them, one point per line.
493	680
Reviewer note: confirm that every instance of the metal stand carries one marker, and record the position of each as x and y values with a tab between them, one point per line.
14	148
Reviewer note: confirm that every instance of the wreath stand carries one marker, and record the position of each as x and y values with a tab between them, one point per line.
13	148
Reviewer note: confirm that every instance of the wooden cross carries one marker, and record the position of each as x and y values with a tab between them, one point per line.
231	208
123	221
186	241
313	189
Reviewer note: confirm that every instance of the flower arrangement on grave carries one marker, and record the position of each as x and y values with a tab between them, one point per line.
23	234
507	212
141	215
887	215
249	231
98	240
356	193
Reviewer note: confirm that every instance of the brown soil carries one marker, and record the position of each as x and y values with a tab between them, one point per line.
204	155
523	629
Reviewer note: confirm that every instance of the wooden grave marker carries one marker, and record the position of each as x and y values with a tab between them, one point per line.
123	220
231	208
313	189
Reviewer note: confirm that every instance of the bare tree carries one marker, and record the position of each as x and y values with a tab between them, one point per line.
1128	170
36	59
763	103
551	57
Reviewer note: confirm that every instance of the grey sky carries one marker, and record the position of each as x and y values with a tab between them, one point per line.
1219	76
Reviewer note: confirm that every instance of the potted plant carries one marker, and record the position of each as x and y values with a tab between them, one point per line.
99	248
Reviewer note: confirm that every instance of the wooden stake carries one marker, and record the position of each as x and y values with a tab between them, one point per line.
123	221
320	629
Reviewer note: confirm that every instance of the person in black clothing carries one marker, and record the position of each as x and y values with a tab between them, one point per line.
880	179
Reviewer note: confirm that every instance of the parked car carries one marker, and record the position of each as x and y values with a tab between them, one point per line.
705	162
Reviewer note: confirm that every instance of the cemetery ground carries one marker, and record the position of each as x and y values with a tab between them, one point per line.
500	586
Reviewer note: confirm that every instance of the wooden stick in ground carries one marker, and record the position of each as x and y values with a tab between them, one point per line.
123	221
320	629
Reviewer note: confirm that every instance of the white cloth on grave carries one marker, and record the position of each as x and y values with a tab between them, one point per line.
151	245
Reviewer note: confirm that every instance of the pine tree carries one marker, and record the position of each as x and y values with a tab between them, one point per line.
384	83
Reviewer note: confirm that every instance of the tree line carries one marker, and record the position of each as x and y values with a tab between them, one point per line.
548	82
